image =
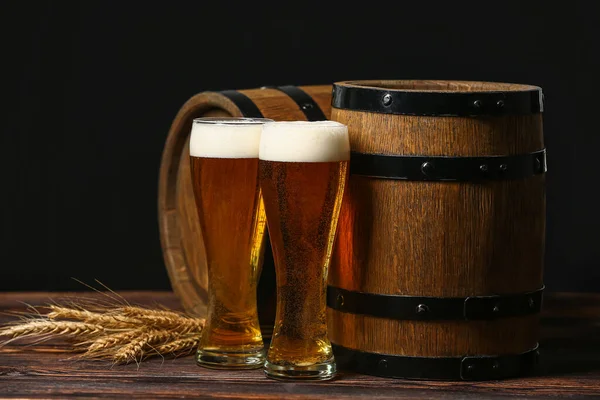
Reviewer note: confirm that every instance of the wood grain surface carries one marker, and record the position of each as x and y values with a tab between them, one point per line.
442	239
570	366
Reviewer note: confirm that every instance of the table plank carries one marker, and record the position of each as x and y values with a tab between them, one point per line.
570	347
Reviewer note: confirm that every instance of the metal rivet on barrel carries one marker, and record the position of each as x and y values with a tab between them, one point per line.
496	309
387	99
483	167
531	302
503	167
426	167
382	364
495	365
500	103
306	106
470	367
422	309
339	300
538	164
477	104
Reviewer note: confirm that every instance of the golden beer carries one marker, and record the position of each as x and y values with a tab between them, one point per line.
303	169
224	168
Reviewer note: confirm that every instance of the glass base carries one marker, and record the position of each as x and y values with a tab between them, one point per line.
230	360
314	372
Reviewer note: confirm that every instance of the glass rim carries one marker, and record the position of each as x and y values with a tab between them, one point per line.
231	120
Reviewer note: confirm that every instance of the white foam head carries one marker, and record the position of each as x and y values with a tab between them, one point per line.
226	137
303	141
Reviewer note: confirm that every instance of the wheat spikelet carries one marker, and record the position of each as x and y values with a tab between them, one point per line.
184	345
107	319
191	325
116	339
48	327
142	345
134	350
157	317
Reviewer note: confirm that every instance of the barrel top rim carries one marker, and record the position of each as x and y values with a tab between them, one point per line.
429	86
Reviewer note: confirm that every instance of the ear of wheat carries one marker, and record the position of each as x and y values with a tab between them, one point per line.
121	333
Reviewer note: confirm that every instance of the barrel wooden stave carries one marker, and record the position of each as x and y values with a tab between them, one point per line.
432	338
181	236
442	136
440	239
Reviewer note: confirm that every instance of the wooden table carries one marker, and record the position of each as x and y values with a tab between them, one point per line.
570	366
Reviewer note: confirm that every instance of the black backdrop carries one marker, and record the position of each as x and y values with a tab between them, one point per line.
91	88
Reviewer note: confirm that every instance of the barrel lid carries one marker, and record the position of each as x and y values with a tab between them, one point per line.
438	98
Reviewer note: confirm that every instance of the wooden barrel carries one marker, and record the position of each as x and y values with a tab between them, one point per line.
180	233
437	269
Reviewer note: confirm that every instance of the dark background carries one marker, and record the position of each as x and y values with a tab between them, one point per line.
90	89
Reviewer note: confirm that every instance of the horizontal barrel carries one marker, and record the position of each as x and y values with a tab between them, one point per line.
180	232
437	268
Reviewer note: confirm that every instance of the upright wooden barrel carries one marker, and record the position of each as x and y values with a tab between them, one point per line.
180	233
437	269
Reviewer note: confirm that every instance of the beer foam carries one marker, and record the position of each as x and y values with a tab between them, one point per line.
303	141
226	138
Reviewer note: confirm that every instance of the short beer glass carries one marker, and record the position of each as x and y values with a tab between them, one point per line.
224	169
303	168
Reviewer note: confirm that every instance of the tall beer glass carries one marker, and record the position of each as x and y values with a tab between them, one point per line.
303	168
224	167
